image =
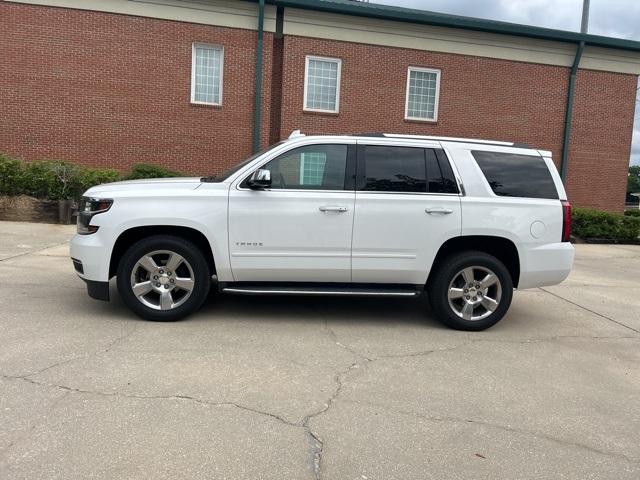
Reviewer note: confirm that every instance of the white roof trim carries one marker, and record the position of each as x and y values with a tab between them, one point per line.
223	13
348	28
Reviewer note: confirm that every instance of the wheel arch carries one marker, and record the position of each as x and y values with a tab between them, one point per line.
500	247
132	235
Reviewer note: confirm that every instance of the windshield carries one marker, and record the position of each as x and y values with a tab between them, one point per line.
221	177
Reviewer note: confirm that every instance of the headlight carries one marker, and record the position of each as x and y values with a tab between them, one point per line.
87	208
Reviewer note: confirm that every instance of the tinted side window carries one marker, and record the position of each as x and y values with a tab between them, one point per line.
439	173
512	175
395	169
313	167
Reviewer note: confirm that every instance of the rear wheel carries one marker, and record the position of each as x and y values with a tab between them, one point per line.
163	278
471	291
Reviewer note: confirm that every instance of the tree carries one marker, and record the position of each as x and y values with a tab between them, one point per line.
633	183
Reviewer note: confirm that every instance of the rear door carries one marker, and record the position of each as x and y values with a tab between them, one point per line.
299	230
407	206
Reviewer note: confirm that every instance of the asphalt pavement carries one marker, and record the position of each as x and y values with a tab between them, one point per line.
315	388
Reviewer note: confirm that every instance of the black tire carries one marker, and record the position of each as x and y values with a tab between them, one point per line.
195	260
449	270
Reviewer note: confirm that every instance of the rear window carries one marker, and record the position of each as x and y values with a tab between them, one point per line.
513	175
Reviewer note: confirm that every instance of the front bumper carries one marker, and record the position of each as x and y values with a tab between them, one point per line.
95	289
98	290
91	256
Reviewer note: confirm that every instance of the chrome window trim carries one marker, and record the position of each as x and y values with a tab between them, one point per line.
408	193
292	190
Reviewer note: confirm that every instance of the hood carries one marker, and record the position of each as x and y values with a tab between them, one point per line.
145	181
145	186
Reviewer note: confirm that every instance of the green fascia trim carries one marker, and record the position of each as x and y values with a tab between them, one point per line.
257	114
409	15
568	117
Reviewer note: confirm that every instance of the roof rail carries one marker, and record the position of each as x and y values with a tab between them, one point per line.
443	139
369	134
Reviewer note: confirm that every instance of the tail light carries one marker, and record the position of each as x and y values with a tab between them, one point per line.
566	220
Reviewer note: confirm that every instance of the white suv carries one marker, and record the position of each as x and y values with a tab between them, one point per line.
391	215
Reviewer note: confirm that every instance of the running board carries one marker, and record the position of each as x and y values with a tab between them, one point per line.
324	291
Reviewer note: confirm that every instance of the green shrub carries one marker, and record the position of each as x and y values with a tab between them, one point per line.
632	213
143	170
90	177
11	174
587	223
53	180
37	179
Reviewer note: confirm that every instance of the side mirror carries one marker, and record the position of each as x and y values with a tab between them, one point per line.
260	179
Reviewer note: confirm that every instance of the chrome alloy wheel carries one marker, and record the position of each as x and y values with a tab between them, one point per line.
474	293
162	280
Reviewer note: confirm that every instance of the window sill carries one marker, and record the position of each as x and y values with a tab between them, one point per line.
320	112
205	105
422	122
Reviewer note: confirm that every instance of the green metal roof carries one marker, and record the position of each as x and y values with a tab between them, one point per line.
409	15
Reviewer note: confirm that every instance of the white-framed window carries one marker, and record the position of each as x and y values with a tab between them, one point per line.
423	91
207	62
322	84
312	168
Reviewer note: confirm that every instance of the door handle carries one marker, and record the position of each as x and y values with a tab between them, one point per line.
333	208
443	211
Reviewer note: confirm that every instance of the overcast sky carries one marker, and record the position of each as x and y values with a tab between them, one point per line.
614	18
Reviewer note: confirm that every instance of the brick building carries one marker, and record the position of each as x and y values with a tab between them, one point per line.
197	85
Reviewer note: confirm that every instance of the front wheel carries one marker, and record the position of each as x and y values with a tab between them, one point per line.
471	291
163	278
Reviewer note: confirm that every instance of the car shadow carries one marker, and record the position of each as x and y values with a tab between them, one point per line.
352	310
293	308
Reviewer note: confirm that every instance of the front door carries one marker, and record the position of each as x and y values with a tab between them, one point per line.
407	206
299	230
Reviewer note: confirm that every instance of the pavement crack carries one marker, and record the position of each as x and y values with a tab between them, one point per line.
590	311
533	433
201	401
53	365
337	341
119	339
423	353
317	443
498	426
553	338
74	359
334	336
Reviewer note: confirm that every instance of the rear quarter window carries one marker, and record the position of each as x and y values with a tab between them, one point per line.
514	175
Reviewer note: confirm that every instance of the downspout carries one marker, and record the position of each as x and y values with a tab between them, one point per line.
257	114
564	161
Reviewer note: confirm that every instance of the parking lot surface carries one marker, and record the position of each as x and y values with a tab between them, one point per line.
315	388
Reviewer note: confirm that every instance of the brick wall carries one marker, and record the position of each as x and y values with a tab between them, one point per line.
479	98
113	90
601	139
